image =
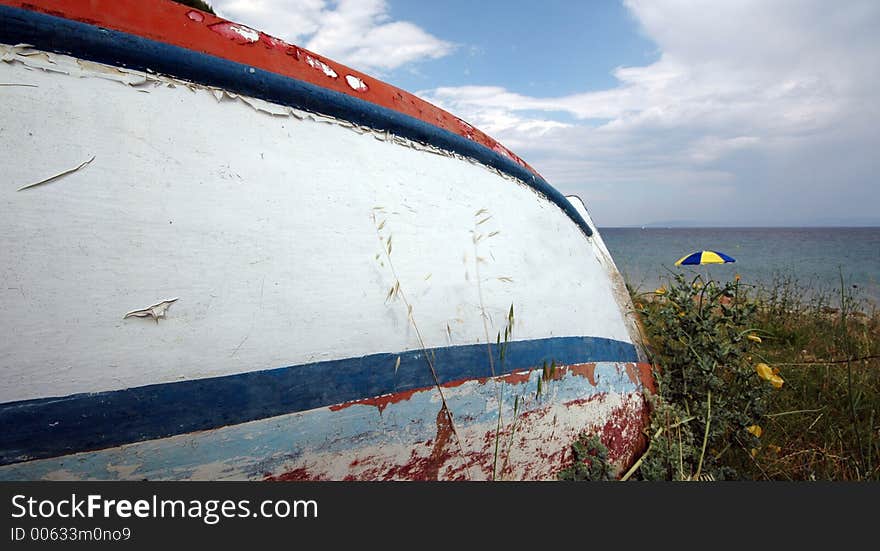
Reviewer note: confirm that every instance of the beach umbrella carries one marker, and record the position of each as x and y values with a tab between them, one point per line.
704	257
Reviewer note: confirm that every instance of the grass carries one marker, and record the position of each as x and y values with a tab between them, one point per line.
778	382
826	424
397	293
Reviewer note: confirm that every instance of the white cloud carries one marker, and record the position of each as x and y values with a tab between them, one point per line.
753	112
358	33
291	20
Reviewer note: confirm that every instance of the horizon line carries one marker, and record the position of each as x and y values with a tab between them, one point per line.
676	226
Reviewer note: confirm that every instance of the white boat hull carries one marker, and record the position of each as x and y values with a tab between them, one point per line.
285	240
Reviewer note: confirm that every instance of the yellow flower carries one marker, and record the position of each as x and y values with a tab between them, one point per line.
755	338
754	452
660	291
768	374
756	430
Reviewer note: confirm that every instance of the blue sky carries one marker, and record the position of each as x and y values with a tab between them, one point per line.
517	44
723	112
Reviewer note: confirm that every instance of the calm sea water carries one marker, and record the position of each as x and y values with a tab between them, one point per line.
814	256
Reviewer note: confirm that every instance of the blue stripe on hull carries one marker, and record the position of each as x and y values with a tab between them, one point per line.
355	434
121	49
49	427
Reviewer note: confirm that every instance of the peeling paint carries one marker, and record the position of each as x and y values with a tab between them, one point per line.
517	378
235	31
162	24
321	66
498	148
25	55
588	371
403	437
622	434
439	453
411	440
273	43
155	311
295	475
356	84
195	15
112	73
57	176
123	471
466	129
536	449
380	402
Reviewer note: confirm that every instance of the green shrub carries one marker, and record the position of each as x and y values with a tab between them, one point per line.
813	415
711	398
589	461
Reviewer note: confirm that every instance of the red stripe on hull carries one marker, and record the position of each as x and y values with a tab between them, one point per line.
179	25
443	457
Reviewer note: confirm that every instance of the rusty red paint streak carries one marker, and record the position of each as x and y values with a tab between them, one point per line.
444	462
444	451
646	376
636	372
509	154
516	378
453	384
584	370
293	476
620	433
172	23
466	129
445	434
583	401
380	402
640	374
631	372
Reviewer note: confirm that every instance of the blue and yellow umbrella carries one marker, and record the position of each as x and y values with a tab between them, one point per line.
704	257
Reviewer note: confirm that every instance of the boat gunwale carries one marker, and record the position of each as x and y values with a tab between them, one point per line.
117	38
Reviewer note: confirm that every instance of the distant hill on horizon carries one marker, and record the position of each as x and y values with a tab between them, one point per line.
819	223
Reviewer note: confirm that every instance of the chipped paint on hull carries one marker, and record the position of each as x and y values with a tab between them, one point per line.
259	218
402	438
187	28
225	234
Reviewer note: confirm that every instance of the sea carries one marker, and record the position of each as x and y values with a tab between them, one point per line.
814	259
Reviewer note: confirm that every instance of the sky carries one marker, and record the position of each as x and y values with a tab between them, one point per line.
655	112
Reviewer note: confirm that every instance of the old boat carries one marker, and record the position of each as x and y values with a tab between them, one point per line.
227	257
